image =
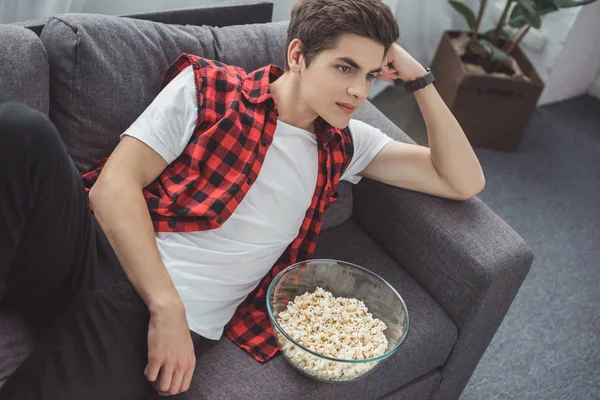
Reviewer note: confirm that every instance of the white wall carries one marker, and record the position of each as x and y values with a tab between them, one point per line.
577	66
282	10
23	10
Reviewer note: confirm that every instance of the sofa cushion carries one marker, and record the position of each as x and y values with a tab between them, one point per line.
105	70
23	68
251	46
225	372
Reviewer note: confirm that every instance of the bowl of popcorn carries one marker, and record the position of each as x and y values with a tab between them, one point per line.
335	321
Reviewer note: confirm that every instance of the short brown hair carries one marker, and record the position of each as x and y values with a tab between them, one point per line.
319	24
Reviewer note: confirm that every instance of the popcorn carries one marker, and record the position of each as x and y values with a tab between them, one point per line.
336	327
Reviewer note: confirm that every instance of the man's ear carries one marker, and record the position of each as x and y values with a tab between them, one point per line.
295	55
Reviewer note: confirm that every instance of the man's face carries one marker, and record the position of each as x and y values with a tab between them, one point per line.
342	75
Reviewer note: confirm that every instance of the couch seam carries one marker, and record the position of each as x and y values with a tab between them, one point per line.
75	54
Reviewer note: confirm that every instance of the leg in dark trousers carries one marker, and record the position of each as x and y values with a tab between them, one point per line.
60	271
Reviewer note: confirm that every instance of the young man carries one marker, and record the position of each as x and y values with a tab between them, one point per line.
217	186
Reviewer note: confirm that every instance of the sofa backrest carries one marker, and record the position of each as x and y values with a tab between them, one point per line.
23	68
105	70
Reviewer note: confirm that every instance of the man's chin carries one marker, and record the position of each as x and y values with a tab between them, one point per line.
337	121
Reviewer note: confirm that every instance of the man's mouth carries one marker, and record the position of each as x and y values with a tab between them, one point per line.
347	108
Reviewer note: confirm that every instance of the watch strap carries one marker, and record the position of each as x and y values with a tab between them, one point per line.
420	82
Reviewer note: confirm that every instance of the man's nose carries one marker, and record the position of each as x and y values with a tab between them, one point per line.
359	90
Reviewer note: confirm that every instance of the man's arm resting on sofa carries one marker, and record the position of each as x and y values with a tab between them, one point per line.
121	210
409	166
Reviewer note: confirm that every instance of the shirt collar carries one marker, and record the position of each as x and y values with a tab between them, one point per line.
256	89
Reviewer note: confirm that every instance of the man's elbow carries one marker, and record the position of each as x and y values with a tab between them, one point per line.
469	194
106	190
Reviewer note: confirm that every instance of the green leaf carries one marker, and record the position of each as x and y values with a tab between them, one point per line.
465	11
527	10
517	19
572	3
496	53
546	6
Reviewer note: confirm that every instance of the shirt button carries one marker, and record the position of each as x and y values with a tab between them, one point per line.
264	142
249	181
171	224
219	220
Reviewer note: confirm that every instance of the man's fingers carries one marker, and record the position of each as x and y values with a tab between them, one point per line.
187	380
151	371
176	381
165	377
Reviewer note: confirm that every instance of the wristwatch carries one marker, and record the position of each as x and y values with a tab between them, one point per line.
420	82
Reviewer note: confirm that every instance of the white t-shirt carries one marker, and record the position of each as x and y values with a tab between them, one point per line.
215	270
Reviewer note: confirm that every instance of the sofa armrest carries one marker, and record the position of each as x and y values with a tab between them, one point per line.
468	259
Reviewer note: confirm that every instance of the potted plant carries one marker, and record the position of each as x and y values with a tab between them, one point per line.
488	83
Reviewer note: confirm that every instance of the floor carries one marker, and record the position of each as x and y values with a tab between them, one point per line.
548	346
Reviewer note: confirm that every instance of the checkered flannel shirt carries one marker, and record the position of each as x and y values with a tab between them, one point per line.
237	117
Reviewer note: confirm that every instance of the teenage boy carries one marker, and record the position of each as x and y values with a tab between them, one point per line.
217	186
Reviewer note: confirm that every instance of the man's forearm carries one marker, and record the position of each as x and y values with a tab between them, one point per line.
128	227
451	152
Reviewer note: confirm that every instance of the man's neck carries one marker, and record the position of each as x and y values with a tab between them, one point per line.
292	109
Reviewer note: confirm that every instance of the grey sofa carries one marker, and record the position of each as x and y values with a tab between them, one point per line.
457	265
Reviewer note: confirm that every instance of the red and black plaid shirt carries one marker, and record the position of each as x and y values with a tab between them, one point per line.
237	117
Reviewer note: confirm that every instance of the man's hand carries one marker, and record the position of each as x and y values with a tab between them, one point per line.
171	358
399	64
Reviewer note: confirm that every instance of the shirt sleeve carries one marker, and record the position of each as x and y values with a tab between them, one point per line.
368	142
168	123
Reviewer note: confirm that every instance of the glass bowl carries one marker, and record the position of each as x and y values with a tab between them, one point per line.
342	279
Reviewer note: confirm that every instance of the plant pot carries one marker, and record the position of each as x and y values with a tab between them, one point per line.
492	111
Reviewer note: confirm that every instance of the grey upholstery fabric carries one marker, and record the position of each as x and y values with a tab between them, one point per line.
251	46
17	339
466	257
35	25
24	78
419	389
23	68
105	70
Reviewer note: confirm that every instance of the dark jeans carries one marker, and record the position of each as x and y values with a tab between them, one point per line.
60	271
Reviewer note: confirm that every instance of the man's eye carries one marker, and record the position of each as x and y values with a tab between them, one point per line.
344	66
370	77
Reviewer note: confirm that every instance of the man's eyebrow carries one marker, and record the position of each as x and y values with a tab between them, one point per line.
354	64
